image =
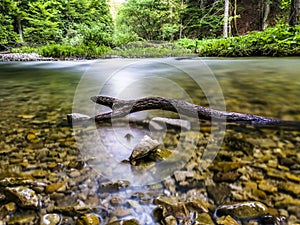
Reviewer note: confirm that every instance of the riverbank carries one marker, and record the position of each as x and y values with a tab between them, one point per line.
24	57
276	41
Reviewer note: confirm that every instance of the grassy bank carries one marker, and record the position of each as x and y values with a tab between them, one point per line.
276	41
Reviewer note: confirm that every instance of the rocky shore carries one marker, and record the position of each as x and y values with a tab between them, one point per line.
7	57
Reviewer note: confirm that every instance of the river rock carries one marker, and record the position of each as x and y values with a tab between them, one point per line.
225	166
88	219
242	210
170	220
23	196
54	187
143	149
226	176
172	207
203	219
24	219
125	222
227	220
176	123
290	188
218	192
50	219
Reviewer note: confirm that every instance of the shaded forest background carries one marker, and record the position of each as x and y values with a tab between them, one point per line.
87	24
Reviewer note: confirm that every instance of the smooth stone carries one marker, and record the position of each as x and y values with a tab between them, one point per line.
115	186
226	176
23	196
50	219
176	123
78	208
292	177
242	210
125	222
54	187
7	209
122	212
22	220
267	187
88	219
76	117
218	192
225	166
146	146
203	219
170	220
226	220
290	188
197	206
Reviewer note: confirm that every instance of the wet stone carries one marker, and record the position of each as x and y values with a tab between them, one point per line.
170	220
176	123
226	176
203	219
218	192
22	220
146	146
227	220
50	219
23	196
290	187
242	210
88	219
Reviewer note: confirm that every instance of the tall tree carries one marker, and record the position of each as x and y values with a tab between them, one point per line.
43	22
202	18
226	19
294	13
152	19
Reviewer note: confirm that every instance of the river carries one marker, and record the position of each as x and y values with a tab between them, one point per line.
76	173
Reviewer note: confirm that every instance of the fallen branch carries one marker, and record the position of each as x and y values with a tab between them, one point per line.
121	108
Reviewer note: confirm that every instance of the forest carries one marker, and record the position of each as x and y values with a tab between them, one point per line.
97	28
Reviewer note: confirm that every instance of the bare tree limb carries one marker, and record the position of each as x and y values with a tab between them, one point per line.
121	108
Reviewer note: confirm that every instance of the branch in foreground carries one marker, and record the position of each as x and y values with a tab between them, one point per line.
121	108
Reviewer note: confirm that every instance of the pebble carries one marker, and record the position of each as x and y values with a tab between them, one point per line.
50	219
88	219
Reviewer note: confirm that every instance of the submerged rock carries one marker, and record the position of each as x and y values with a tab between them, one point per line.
50	219
176	123
23	196
143	149
242	210
88	219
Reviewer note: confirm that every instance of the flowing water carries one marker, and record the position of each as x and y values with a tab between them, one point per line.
82	166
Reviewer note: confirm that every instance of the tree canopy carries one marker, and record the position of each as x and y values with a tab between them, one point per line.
76	23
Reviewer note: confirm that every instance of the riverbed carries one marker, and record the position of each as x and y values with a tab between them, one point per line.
74	173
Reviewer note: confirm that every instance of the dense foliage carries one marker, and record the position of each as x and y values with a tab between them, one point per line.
86	29
281	40
69	22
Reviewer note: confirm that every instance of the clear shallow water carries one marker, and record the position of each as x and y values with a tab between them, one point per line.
35	98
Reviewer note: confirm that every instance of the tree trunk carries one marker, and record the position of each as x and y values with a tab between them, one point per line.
20	31
226	19
266	12
294	13
121	108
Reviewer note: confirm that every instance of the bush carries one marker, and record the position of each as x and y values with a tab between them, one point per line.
281	40
66	51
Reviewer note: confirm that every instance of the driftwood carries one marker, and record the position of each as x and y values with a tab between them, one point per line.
121	108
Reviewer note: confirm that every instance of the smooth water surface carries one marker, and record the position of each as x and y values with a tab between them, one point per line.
37	141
